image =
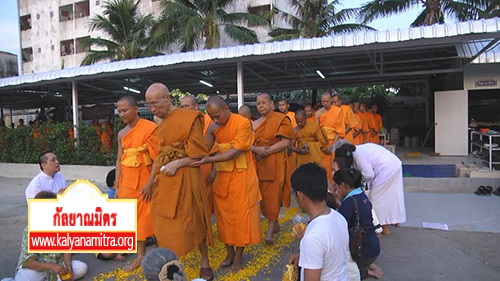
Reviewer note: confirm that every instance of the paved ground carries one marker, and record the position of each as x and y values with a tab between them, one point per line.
469	251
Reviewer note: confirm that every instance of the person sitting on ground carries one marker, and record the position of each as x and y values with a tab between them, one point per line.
323	249
46	266
348	189
49	179
161	265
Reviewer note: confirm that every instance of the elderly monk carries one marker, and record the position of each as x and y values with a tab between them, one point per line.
378	119
351	123
309	140
309	110
207	171
273	132
283	107
181	215
331	121
372	135
236	186
137	148
245	111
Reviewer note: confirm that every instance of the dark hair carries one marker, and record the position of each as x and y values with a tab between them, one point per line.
343	162
345	151
154	262
351	177
311	180
42	158
45	195
110	178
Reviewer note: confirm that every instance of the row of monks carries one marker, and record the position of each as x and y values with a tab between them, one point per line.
192	165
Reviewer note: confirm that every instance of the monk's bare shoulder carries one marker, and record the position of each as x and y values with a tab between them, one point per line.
257	122
212	127
320	112
123	132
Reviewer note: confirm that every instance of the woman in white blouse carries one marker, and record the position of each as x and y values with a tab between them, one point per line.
383	172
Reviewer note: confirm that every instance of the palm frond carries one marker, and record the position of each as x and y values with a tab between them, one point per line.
239	18
96	56
350	27
375	9
241	34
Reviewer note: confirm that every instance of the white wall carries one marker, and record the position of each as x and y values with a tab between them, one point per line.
475	72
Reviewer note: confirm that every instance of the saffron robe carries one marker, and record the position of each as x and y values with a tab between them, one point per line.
372	124
350	122
378	121
106	134
207	168
291	115
312	135
181	216
311	119
365	127
332	124
140	148
360	127
236	187
273	170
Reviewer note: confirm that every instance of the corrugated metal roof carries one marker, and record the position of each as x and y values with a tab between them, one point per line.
297	45
470	49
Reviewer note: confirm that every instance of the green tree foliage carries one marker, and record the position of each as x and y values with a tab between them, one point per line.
128	30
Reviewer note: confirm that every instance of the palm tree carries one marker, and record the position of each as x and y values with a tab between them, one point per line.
194	22
128	32
316	18
433	10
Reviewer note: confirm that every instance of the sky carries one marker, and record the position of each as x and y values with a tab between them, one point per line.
9	31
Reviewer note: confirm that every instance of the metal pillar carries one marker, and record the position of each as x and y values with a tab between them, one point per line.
74	97
239	78
427	105
304	94
20	56
1	112
11	117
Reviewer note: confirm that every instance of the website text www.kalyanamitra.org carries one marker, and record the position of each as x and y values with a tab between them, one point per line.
82	241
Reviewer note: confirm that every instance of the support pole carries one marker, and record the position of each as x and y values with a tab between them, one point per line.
304	93
427	109
74	97
239	78
11	117
1	111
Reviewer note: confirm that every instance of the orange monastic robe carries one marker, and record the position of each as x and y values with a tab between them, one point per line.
332	124
207	168
181	215
365	127
359	139
372	124
273	171
350	122
236	187
311	119
107	132
291	115
378	120
140	149
312	135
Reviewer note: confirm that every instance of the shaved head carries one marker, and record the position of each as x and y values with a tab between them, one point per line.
265	95
131	100
300	113
218	110
265	104
283	106
189	102
158	99
300	118
337	100
245	111
326	100
308	109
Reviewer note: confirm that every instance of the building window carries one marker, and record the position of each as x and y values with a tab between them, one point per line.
97	3
82	9
67	48
65	13
262	11
37	16
27	54
52	47
51	14
25	22
39	49
80	46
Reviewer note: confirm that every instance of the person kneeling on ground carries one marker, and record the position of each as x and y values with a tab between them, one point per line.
46	266
323	249
348	189
162	265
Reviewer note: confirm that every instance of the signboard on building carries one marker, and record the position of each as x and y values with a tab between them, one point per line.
486	83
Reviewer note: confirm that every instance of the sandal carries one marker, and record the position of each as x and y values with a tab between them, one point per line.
481	191
206	273
497	192
489	190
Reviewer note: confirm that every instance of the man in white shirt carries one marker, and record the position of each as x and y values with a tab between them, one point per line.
49	179
324	247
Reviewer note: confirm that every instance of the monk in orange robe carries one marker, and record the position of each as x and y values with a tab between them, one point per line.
245	111
365	129
36	129
372	136
96	126
331	121
349	120
207	171
358	130
236	186
378	119
283	107
181	215
309	110
273	132
137	148
106	134
309	141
